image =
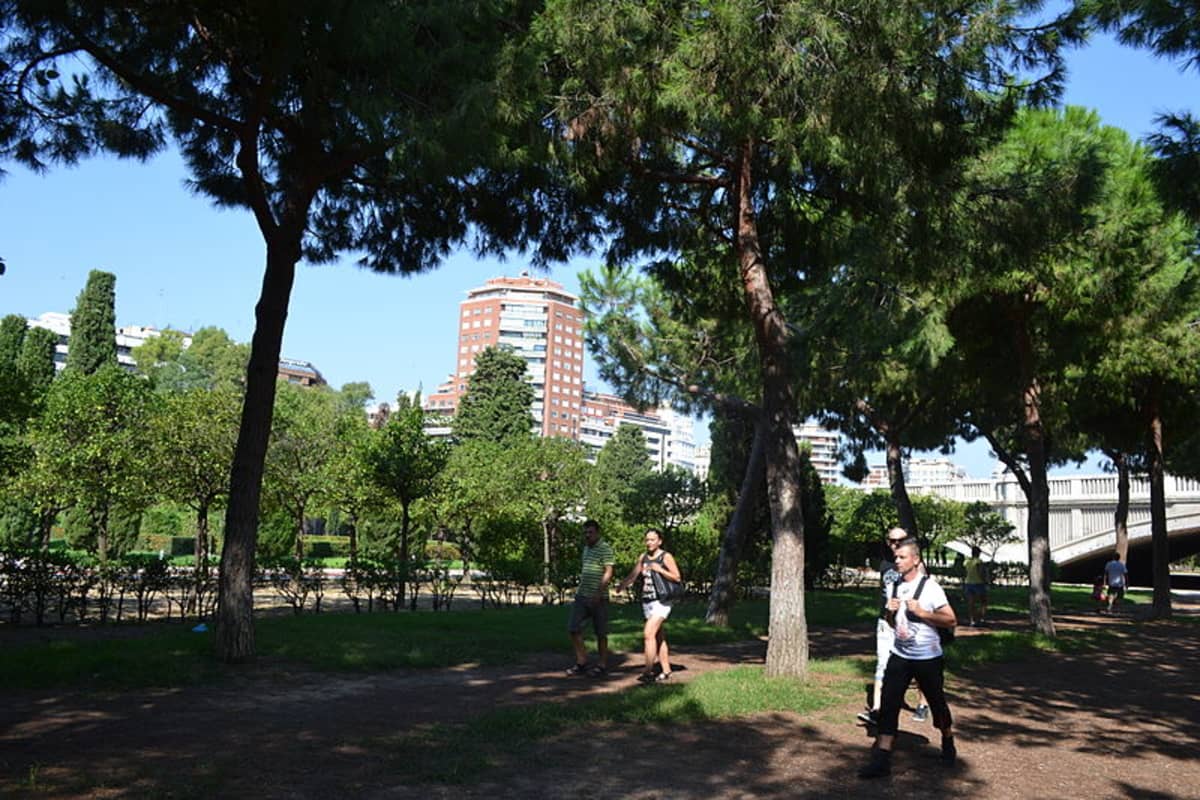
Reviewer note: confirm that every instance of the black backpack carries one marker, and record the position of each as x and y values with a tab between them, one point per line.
945	635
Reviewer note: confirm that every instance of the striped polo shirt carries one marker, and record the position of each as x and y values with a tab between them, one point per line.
595	559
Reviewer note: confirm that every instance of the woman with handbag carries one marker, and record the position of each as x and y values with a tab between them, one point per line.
661	585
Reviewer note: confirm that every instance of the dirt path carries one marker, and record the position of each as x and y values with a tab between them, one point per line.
1068	726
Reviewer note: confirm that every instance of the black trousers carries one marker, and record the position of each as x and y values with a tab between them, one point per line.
930	675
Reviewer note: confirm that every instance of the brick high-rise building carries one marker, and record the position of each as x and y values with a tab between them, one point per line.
538	320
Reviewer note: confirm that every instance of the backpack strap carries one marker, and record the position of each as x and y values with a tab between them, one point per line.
920	586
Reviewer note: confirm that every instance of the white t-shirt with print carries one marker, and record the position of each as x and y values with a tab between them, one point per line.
917	640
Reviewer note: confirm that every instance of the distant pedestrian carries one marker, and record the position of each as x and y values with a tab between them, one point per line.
916	609
1116	577
591	601
975	587
655	609
884	635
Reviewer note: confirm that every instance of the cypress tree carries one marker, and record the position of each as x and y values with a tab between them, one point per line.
94	325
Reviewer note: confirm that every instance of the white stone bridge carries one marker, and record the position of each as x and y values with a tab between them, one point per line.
1082	509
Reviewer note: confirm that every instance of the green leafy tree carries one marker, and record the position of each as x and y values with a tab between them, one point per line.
498	402
160	358
94	325
26	370
194	434
471	491
303	445
621	466
352	491
1063	221
736	134
35	364
405	463
986	529
220	359
1145	385
208	359
368	127
12	336
93	442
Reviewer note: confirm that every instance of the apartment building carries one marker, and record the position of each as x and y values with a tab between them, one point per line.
538	320
825	446
132	336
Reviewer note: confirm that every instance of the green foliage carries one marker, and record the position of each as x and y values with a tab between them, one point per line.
621	467
164	520
18	523
986	529
93	342
93	445
303	448
210	361
499	399
35	364
26	369
12	337
194	433
276	534
402	460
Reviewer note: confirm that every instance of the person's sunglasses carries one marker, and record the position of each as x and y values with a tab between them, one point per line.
895	541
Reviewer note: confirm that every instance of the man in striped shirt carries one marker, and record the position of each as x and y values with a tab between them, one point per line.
591	601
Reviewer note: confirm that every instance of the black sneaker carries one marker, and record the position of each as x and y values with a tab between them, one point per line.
949	751
879	765
869	716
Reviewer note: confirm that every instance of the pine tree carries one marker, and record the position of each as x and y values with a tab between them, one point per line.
94	325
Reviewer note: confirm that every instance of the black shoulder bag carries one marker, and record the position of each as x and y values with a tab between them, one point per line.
665	589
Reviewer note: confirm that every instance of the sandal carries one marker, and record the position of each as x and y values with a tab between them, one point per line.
598	671
662	676
577	669
646	677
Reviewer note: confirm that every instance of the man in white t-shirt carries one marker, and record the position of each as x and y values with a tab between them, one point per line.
916	610
1116	576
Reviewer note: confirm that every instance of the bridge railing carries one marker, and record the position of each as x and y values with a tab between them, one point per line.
1082	507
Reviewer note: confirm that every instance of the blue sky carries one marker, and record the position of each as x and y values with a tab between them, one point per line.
181	263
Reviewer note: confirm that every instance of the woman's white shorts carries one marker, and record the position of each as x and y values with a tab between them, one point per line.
656	609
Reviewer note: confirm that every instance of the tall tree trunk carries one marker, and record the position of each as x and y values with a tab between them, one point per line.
100	521
353	537
1121	515
300	536
1159	541
200	546
46	527
900	499
1037	488
403	551
546	525
787	649
234	639
724	587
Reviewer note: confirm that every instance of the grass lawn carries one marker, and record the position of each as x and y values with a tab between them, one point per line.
382	641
